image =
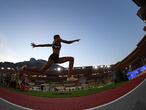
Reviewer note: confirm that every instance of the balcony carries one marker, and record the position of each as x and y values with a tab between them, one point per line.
142	13
140	3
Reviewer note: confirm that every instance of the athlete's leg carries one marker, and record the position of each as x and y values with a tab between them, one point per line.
71	63
47	65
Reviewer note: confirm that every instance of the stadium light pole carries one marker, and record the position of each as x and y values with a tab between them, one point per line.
108	66
58	69
95	67
2	68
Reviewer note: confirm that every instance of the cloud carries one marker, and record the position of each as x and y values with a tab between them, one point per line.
6	52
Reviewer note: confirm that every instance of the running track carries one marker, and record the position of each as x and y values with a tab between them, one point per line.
94	102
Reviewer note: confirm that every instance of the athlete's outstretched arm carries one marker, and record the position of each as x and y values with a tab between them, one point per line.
69	42
40	45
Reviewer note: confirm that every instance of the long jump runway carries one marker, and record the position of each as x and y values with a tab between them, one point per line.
134	100
131	96
5	105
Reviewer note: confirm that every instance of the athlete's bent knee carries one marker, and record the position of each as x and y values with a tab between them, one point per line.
72	59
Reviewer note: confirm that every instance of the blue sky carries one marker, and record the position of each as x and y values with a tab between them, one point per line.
109	29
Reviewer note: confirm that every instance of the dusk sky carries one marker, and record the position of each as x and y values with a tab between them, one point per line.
109	29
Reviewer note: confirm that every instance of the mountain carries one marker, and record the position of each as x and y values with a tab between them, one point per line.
32	63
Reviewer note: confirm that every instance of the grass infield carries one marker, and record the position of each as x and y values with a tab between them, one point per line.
67	94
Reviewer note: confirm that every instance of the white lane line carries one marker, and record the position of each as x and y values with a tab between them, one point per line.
117	98
15	104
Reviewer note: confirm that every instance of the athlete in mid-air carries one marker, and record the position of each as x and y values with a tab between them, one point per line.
54	57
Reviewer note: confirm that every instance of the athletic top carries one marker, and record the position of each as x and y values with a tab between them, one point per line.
56	46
